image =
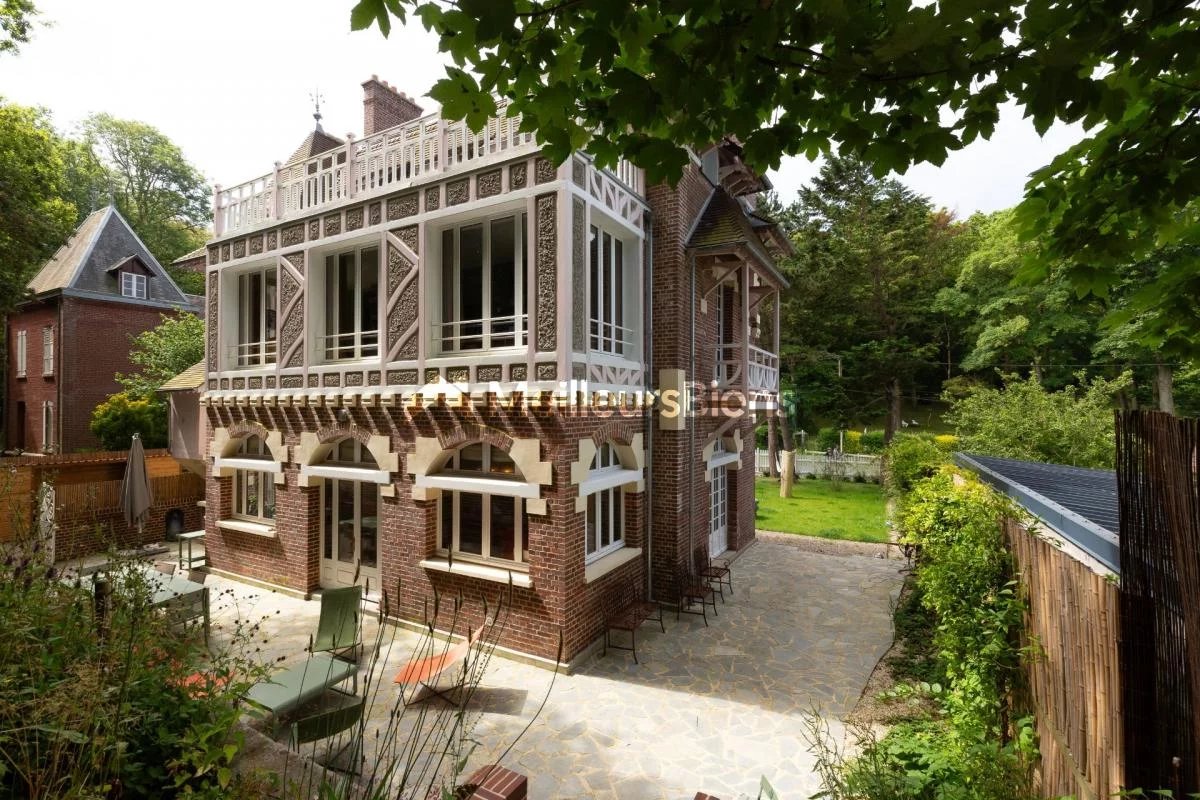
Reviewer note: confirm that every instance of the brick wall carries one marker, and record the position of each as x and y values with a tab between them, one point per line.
89	371
559	598
35	388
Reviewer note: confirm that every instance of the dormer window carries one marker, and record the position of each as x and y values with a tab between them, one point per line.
133	285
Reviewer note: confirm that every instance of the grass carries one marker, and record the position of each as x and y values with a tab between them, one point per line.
855	511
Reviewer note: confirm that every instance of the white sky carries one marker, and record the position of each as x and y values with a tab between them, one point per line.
229	81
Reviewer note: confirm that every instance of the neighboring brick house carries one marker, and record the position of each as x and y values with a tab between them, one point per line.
71	336
435	360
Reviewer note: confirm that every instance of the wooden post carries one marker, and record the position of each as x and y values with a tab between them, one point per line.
218	222
100	599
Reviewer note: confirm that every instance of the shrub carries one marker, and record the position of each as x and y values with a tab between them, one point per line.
1024	420
872	442
827	438
853	442
910	459
120	416
946	442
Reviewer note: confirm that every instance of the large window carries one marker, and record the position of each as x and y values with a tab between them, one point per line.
479	525
256	342
483	285
352	305
254	490
606	290
133	285
605	530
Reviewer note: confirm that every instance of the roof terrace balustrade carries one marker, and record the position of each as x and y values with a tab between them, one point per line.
386	161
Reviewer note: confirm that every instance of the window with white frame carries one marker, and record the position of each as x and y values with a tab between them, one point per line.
352	304
606	292
483	285
48	350
133	285
256	334
47	426
605	528
254	490
22	350
481	525
350	509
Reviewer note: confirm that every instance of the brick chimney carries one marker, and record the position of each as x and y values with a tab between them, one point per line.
385	107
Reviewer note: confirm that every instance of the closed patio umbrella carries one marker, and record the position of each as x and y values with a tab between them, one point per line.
135	486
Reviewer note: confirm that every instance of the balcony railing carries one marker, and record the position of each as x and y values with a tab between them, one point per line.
351	346
482	334
762	369
383	162
608	337
253	354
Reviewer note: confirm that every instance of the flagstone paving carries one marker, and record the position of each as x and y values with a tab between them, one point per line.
709	709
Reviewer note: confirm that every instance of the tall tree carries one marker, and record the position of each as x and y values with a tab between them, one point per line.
893	83
34	217
163	352
163	196
1016	326
871	256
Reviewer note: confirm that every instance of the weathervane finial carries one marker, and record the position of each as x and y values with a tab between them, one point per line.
316	98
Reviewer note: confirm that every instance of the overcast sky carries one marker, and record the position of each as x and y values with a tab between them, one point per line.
230	80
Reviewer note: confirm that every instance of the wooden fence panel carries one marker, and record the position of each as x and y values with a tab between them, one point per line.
1074	682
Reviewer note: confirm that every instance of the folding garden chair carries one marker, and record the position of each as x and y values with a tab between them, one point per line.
339	630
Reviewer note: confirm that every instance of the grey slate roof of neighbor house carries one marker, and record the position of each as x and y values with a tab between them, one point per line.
86	265
1079	503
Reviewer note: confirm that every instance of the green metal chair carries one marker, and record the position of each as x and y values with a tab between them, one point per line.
339	630
329	723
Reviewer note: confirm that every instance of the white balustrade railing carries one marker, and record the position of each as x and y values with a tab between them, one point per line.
253	354
383	162
761	368
350	346
609	337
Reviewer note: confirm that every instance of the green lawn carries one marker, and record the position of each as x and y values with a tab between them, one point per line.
855	511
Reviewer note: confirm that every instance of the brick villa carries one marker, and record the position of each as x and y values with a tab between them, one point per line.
71	336
437	360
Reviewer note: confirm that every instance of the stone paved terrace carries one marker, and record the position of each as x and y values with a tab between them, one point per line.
709	709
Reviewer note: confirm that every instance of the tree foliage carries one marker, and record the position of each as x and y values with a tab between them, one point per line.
34	217
118	418
891	83
1024	420
871	256
153	185
163	352
16	23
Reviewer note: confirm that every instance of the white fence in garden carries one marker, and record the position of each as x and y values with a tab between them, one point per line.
816	462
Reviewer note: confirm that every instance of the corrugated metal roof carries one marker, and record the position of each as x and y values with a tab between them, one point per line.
1090	493
1081	504
190	378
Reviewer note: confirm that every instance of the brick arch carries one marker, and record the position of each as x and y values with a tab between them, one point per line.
613	431
331	434
470	434
315	447
226	440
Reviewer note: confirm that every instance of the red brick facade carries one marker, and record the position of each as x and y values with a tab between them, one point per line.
92	341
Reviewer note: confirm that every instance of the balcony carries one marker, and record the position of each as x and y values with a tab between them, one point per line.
755	371
252	354
384	162
482	334
351	346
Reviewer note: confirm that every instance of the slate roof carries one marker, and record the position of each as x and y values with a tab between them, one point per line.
85	264
190	379
1079	503
724	222
315	143
202	250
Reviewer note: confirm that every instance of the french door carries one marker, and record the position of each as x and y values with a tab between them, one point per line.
718	535
349	533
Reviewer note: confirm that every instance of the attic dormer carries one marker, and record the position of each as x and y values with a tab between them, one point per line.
132	277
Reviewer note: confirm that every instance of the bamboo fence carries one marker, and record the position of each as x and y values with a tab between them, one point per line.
1074	677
